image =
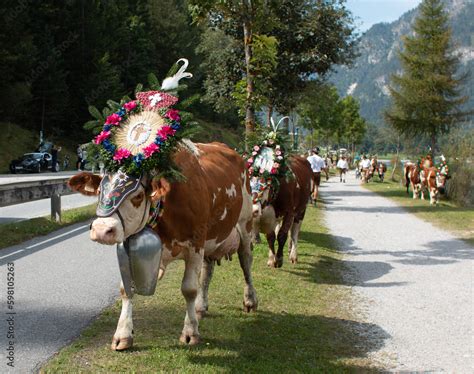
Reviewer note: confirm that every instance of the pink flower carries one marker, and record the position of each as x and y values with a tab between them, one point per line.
121	153
278	152
273	171
113	119
130	105
173	115
251	170
150	149
262	170
254	153
271	141
276	165
250	160
101	137
256	148
165	131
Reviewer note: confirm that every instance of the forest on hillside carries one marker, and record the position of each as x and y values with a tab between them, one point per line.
59	57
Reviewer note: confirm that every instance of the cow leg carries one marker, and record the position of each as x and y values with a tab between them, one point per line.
293	241
271	237
282	236
123	337
246	259
189	288
202	303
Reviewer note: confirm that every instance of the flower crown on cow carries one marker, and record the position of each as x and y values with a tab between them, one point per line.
140	136
267	160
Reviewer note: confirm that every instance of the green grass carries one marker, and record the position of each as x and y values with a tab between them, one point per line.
17	232
14	142
305	322
447	215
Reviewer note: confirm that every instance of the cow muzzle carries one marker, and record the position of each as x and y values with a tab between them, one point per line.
107	231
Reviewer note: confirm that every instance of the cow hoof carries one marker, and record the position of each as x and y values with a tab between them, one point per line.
271	263
189	339
279	262
293	260
121	344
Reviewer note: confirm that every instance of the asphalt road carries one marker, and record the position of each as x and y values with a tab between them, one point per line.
415	281
61	282
41	208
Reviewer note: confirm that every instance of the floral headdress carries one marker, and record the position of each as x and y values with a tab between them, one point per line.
268	161
140	136
443	167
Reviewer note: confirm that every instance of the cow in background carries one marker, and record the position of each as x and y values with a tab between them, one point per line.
381	169
205	218
275	216
411	174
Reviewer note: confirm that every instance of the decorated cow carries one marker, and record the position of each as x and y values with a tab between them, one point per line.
165	198
281	187
411	173
433	178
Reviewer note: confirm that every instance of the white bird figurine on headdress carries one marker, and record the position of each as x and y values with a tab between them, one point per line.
172	83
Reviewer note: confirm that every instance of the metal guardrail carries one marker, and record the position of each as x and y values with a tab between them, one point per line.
22	192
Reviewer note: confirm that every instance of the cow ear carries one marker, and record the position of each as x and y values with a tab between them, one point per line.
85	183
159	188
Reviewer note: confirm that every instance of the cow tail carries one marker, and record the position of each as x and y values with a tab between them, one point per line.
407	179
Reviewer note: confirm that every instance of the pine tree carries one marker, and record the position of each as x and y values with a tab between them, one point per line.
426	98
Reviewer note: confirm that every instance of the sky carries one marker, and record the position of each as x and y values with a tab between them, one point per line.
369	12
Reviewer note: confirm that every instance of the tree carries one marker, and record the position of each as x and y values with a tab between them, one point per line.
242	20
426	98
354	126
313	37
320	110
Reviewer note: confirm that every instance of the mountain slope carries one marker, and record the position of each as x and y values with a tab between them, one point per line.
368	79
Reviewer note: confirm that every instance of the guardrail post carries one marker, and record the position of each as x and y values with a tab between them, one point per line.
56	207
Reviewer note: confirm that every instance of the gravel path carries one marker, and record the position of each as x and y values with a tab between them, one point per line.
415	281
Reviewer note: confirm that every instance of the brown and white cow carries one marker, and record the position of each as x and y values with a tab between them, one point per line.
276	216
434	182
412	178
381	169
205	218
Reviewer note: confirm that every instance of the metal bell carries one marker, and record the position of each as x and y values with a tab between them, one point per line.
139	262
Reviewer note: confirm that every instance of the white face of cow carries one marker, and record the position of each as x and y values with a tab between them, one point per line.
112	230
257	200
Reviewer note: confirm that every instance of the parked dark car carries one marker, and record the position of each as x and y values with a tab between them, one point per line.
33	163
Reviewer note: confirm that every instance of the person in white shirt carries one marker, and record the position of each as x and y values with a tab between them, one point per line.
317	164
343	166
365	165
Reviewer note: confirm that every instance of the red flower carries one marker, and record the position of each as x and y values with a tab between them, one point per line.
173	115
150	149
101	137
165	131
121	153
130	105
113	119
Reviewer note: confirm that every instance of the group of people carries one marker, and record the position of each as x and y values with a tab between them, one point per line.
318	165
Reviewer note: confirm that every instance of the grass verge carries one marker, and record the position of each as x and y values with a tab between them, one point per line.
305	321
18	232
447	215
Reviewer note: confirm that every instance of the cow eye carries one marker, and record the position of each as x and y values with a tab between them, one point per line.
137	200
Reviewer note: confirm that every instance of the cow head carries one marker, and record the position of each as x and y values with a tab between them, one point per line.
441	177
260	196
124	203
